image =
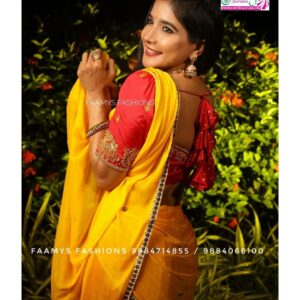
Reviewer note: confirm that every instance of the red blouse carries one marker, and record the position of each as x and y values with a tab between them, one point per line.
130	125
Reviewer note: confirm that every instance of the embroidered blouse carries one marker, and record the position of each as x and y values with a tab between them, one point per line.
130	125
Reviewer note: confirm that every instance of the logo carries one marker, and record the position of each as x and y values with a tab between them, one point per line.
226	2
252	2
260	5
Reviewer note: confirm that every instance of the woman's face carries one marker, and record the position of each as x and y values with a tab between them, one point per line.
165	40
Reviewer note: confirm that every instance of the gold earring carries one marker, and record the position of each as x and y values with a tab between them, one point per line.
191	70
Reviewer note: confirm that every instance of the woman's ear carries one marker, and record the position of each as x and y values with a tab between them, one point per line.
198	51
200	48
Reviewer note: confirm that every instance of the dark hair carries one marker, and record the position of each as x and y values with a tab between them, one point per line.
203	21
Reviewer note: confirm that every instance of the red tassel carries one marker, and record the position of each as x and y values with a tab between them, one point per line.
203	175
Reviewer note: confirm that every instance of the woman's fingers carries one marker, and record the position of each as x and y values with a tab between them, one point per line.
95	71
111	69
84	57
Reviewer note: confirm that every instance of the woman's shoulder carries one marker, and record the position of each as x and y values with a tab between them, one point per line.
140	76
138	85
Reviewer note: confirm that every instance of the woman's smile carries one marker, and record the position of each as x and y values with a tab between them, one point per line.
151	52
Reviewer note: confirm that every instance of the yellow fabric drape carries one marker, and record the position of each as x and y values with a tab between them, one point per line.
92	220
173	273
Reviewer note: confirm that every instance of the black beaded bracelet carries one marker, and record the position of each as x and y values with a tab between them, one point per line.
97	128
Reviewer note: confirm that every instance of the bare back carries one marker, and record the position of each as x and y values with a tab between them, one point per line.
189	104
185	131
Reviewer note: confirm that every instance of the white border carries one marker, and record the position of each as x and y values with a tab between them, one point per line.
10	117
289	125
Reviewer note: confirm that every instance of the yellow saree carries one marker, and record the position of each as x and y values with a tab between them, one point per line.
100	232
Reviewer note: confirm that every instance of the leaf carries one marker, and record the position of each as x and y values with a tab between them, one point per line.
272	231
27	213
239	243
129	52
256	228
38	56
40	216
219	238
77	22
257	156
248	156
244	265
27	259
35	42
120	77
102	44
273	111
116	43
43	285
43	43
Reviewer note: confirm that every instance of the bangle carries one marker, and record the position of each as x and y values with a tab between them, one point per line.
97	128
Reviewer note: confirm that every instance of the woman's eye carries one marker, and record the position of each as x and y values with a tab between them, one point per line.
167	29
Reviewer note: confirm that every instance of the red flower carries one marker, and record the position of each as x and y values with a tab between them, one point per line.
271	56
216	219
51	176
232	98
36	188
32	61
46	86
227	97
30	171
251	55
233	223
252	63
237	101
235	187
28	157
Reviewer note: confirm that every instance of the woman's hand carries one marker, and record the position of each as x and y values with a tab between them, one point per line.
95	74
113	91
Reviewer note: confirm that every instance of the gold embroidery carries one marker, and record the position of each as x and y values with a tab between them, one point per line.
179	155
147	107
143	74
107	151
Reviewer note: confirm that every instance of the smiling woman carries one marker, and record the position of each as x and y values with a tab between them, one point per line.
162	36
128	165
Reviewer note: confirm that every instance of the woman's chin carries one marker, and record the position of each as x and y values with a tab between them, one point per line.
147	64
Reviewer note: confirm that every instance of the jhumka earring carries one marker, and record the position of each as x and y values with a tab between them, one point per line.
191	70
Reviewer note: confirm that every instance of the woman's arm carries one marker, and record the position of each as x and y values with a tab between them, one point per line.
96	76
106	176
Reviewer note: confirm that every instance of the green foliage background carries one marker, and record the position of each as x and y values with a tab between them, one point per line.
237	217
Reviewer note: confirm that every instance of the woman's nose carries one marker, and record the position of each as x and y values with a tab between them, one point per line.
148	34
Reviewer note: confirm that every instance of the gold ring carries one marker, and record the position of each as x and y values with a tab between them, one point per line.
96	56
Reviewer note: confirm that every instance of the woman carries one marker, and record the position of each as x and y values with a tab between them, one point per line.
121	232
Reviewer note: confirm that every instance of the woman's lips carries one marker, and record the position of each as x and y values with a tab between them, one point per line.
151	52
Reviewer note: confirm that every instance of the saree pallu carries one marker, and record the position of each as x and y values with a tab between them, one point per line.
99	231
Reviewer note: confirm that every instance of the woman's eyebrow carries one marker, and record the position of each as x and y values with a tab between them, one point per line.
165	23
168	23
